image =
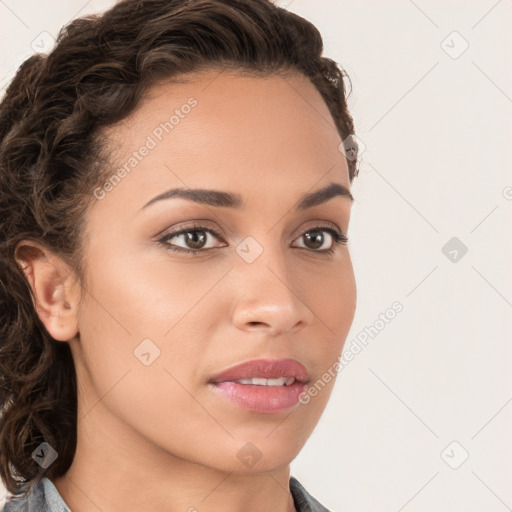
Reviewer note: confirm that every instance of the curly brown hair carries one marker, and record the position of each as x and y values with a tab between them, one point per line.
51	158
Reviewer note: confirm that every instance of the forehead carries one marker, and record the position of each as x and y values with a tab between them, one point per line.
221	129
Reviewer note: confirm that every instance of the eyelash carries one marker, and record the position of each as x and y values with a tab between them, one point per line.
337	239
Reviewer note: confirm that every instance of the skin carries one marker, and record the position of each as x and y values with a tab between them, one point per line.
156	437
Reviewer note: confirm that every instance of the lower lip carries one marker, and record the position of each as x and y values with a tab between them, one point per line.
267	399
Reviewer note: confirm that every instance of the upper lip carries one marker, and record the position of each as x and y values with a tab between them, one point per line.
264	368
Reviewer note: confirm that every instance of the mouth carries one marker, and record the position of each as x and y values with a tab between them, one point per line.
260	381
264	372
264	385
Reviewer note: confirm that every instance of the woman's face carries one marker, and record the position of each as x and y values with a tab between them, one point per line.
266	280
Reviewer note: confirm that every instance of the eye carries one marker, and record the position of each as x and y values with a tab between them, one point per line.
192	239
316	240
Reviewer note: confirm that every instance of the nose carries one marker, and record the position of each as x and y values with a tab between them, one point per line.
266	298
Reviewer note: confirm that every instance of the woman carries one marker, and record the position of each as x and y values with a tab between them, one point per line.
176	284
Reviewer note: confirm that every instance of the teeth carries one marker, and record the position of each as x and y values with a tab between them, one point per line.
259	381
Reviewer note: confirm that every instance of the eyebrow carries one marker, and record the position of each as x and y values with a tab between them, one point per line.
222	199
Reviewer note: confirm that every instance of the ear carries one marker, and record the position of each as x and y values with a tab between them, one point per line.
55	289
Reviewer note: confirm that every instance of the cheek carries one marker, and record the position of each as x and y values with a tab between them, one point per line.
148	294
139	306
139	347
346	291
330	292
333	296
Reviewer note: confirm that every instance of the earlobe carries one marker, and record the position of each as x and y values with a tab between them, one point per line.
54	287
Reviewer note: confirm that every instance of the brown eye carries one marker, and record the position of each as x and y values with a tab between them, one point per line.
191	239
314	239
321	239
194	239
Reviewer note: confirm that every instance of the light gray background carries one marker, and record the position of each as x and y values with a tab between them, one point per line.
437	127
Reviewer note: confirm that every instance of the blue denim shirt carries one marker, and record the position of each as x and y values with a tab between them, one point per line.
44	497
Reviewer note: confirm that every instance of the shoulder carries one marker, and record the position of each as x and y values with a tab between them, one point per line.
30	501
304	502
42	497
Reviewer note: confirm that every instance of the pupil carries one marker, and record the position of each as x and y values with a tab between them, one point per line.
196	239
314	241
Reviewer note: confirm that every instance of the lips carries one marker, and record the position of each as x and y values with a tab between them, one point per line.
264	369
263	385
